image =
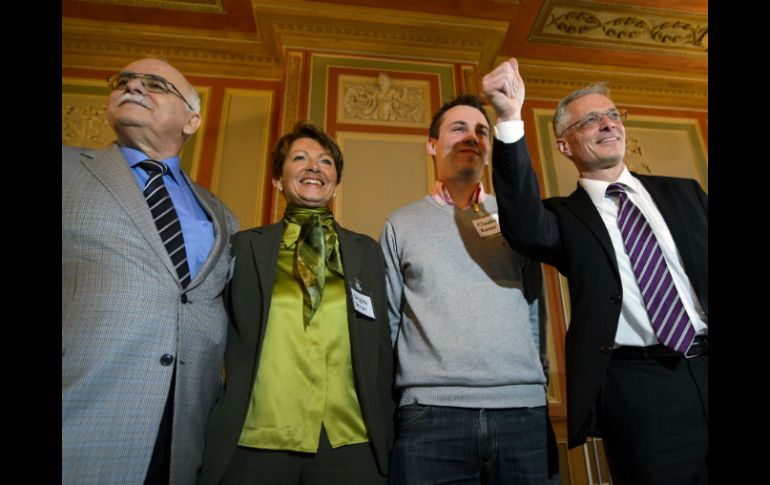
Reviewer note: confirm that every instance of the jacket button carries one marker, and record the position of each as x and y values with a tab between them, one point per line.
606	349
616	299
167	359
184	297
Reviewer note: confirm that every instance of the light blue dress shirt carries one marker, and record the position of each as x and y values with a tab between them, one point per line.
197	229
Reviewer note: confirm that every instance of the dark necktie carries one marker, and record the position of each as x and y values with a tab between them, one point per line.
166	219
664	306
317	248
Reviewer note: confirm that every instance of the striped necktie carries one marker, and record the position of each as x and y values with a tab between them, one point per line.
664	306
166	219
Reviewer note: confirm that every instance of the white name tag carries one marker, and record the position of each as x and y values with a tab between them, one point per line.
487	226
362	303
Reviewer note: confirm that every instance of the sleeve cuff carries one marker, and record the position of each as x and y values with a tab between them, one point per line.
509	131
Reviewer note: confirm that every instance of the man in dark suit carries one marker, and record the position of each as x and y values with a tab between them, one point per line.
304	402
637	365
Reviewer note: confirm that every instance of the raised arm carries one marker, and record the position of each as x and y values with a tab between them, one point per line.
527	225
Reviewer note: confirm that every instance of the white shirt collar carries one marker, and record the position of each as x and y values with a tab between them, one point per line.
597	188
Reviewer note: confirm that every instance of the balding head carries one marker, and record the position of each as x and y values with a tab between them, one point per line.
171	74
156	121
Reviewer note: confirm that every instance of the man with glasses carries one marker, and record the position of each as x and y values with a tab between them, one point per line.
145	258
635	251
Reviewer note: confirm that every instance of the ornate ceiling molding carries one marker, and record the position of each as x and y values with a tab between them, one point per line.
586	23
300	24
344	29
553	80
94	44
209	6
282	25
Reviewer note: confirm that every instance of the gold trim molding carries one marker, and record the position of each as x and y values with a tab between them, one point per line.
96	44
470	80
208	6
292	93
586	23
283	25
629	86
300	24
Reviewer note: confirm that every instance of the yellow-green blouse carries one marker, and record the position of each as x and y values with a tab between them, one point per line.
305	375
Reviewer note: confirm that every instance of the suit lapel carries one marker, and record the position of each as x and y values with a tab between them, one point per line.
351	265
581	205
265	242
111	169
359	334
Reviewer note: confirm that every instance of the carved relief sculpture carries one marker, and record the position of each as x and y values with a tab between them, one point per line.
383	101
84	126
634	159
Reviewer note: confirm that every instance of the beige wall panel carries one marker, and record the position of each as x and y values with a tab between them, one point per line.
242	149
382	173
663	151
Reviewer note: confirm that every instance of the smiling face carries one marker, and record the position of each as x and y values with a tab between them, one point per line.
595	148
460	151
309	176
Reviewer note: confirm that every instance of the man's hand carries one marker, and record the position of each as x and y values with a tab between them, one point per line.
505	89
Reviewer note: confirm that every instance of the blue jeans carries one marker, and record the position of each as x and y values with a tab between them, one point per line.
443	445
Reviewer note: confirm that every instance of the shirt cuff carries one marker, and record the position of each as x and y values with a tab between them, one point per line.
509	131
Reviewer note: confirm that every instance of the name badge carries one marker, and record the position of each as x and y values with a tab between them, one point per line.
362	303
487	226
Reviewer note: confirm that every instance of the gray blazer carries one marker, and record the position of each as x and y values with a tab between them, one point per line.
123	315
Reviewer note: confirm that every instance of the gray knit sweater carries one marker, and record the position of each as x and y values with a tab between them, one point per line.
464	334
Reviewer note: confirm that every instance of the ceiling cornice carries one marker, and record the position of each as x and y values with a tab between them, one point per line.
586	23
281	25
208	6
300	24
94	44
629	86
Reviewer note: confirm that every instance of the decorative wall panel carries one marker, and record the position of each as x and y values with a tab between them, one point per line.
241	171
621	27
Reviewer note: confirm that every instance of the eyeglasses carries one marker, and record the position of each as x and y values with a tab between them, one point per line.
592	119
151	82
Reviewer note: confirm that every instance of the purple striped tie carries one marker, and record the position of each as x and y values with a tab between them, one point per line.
667	314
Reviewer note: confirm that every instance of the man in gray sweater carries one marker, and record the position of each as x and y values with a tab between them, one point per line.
468	326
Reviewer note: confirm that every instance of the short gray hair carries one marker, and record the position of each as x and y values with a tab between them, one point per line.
558	117
195	99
